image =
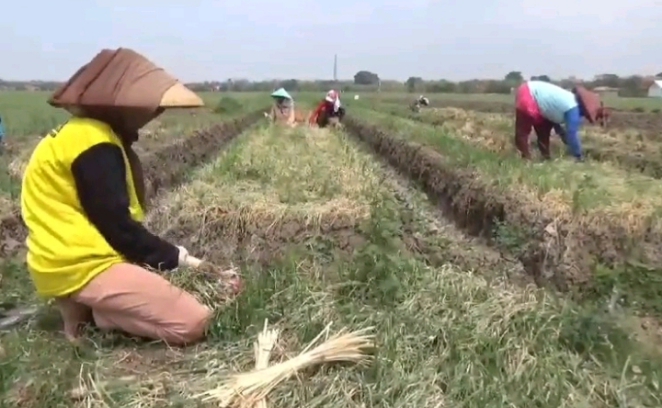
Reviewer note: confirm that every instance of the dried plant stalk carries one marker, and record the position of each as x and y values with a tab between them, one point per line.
247	388
263	346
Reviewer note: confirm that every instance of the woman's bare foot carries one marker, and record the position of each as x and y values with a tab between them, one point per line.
75	315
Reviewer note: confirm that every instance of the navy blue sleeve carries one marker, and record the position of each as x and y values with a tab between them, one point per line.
100	176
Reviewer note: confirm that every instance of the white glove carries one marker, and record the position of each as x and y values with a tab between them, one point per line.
183	256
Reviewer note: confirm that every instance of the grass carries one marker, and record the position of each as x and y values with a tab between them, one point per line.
645	104
632	149
566	185
608	225
252	180
28	113
23	132
446	336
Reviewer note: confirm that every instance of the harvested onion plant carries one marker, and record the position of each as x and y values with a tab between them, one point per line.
246	389
263	346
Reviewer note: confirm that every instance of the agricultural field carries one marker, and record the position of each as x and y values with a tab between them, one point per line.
643	114
634	147
498	102
589	225
487	281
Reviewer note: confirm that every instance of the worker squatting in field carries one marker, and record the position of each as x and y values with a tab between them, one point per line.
544	106
418	103
329	111
282	110
83	202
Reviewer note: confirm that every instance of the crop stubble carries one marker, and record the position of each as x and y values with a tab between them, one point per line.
648	122
163	169
457	338
567	238
628	148
264	194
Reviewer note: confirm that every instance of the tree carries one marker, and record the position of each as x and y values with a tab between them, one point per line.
658	75
442	86
497	87
366	78
610	80
514	76
412	83
632	86
541	78
291	85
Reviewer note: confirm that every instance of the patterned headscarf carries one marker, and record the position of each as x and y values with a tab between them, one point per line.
333	97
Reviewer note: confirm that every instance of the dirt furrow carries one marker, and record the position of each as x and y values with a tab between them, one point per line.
164	169
225	235
431	234
562	252
223	219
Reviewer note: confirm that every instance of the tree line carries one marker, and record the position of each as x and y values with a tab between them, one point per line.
367	81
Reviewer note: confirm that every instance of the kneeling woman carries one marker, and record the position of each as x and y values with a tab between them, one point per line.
329	111
83	203
544	106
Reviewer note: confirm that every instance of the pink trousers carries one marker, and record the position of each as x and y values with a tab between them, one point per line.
528	117
134	300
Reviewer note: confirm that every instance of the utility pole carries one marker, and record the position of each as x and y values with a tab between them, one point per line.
335	68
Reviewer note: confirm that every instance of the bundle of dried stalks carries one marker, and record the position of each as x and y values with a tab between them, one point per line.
245	389
263	346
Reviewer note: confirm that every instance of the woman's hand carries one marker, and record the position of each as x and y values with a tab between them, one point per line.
230	278
183	256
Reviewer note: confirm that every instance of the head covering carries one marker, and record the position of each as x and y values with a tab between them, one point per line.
333	97
589	102
281	93
124	89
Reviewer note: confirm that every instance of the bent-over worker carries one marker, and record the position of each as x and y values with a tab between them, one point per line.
282	110
83	202
419	102
330	110
543	106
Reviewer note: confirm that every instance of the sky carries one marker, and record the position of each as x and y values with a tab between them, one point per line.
197	40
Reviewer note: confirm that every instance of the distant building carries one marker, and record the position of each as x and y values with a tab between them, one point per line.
655	90
606	91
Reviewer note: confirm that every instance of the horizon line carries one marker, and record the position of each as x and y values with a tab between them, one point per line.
352	79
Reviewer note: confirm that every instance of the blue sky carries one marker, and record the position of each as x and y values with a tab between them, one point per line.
260	39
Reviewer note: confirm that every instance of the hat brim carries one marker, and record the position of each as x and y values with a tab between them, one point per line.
179	96
589	102
281	93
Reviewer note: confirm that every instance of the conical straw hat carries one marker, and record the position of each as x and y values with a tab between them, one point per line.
179	96
281	93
